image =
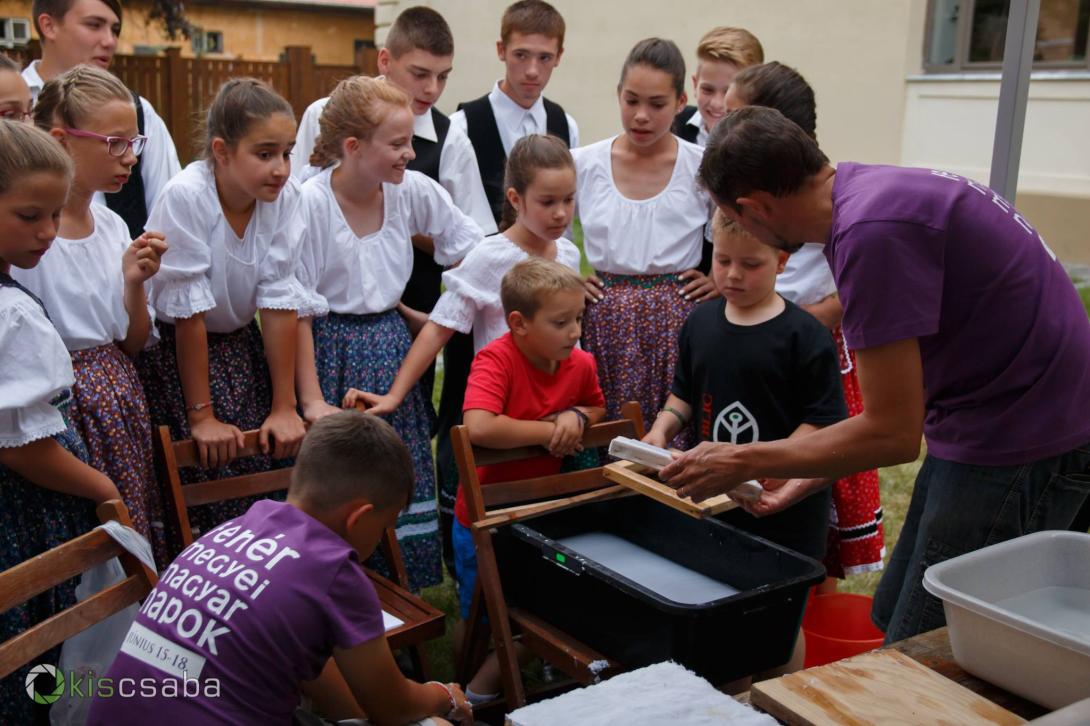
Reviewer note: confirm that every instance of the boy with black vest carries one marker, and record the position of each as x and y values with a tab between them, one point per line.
530	46
86	31
721	53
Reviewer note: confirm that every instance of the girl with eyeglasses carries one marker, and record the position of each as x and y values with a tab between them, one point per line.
15	98
92	283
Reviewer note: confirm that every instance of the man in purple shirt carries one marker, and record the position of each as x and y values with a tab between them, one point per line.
966	328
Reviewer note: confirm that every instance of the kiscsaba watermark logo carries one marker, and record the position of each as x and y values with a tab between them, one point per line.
44	684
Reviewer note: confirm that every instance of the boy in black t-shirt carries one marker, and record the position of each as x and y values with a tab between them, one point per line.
754	367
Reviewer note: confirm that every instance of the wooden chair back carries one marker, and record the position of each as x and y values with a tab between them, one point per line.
561	490
480	499
49	569
176	455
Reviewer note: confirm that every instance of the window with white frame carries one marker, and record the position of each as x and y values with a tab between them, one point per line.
968	35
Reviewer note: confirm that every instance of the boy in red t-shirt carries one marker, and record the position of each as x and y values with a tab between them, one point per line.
532	386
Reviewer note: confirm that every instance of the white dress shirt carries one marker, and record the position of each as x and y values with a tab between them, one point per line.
344	273
514	121
472	296
661	234
82	284
458	172
208	269
701	131
36	369
158	162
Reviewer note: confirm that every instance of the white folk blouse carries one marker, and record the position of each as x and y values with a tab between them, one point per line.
354	275
209	270
661	234
82	284
36	369
472	296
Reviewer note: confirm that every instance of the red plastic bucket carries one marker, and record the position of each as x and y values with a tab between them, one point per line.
838	626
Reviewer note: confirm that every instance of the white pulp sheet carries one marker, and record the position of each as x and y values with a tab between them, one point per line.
664	693
662	576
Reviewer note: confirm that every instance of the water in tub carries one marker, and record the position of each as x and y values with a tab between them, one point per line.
1066	609
662	576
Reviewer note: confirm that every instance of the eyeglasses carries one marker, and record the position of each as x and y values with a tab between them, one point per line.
14	114
116	145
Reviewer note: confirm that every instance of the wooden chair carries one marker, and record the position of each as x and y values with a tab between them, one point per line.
562	490
421	621
49	569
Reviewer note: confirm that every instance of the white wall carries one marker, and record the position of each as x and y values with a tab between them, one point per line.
864	60
853	52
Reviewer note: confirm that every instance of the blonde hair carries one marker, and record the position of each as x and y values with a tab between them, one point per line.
723	226
355	109
527	284
736	46
75	95
26	150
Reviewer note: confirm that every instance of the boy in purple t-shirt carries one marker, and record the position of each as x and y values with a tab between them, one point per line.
275	603
966	327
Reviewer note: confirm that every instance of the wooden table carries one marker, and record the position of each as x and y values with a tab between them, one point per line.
933	650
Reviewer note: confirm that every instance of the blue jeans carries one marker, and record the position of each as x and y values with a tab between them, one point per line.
959	508
465	566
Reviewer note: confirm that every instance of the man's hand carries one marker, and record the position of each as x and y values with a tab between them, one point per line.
709	469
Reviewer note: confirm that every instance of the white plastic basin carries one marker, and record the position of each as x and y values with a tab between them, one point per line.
1019	614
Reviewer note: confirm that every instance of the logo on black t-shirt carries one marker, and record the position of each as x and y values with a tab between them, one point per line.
735	425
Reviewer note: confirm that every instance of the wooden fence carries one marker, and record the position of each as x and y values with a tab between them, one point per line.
180	88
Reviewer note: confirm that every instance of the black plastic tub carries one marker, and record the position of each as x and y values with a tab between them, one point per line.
720	640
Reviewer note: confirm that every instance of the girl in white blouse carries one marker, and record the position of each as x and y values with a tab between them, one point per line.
92	282
540	199
47	491
356	260
540	184
643	218
233	223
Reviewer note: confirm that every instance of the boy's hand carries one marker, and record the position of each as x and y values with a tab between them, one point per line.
699	286
655	438
217	442
779	494
593	289
141	259
567	437
463	711
374	403
316	409
286	430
